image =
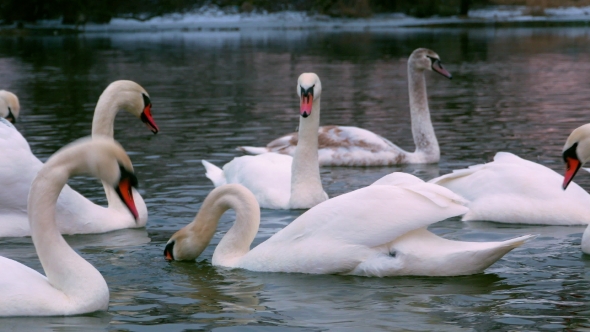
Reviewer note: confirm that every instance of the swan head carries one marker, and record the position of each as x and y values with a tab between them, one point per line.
184	245
576	152
309	88
133	99
425	59
9	106
105	159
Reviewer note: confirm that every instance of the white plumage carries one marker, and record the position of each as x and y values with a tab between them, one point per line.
75	213
353	146
72	286
513	190
379	230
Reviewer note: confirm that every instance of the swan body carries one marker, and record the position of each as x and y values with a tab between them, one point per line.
513	190
379	230
71	285
9	106
281	181
353	146
75	214
576	153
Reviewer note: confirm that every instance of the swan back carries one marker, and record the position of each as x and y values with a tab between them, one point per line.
513	190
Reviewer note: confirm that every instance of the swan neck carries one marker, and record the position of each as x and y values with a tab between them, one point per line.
236	242
305	169
64	268
422	129
105	112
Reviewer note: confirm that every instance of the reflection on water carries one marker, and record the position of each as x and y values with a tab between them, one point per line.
517	90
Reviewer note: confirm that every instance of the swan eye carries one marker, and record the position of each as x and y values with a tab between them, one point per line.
393	254
570	153
125	174
10	117
146	101
169	251
305	92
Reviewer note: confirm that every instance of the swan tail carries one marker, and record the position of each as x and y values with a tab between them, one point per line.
214	173
517	242
252	149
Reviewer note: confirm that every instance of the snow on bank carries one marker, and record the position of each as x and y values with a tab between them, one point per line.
213	18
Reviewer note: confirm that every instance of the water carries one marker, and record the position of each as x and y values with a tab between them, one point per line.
517	90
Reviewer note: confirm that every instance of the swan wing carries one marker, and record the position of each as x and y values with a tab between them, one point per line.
267	176
374	215
329	137
511	189
18	167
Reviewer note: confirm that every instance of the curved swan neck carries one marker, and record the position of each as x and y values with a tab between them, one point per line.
422	130
305	169
236	242
65	269
105	112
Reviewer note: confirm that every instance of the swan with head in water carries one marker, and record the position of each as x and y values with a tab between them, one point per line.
279	181
576	153
72	285
9	106
75	213
379	230
353	146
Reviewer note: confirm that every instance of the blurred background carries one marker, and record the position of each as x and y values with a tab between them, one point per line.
84	11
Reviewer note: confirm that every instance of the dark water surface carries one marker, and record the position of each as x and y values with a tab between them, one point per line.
517	90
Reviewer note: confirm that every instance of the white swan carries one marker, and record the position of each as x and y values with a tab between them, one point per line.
576	153
353	146
75	213
379	230
72	286
279	181
9	106
513	190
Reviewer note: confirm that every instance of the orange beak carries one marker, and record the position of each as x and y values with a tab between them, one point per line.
306	104
572	165
126	195
146	117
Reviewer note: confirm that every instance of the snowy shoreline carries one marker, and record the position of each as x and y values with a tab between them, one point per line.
212	18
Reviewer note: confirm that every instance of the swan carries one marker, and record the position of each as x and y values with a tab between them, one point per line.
75	213
72	286
576	153
353	146
9	106
514	190
280	181
379	230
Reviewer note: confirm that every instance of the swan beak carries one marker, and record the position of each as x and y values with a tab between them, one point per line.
437	67
126	195
146	117
168	251
306	104
572	165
